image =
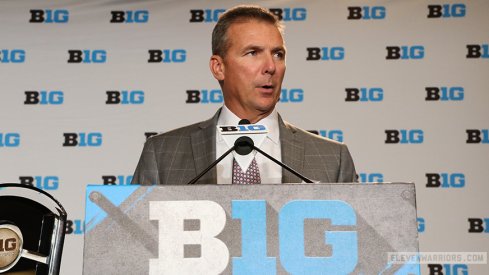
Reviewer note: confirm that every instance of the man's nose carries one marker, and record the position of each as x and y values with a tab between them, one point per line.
269	66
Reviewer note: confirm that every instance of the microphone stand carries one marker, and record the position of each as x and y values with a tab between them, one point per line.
243	146
211	166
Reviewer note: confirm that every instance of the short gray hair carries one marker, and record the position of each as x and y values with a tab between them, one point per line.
239	14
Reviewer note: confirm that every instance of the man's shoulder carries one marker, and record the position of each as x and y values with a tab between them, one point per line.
182	132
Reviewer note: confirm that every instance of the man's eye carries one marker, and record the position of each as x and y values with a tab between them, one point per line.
280	55
251	53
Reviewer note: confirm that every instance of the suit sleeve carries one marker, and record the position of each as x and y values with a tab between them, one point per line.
347	171
147	170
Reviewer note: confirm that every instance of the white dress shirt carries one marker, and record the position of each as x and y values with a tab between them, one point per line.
270	172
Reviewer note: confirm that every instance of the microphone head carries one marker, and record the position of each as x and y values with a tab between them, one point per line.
244	145
244	121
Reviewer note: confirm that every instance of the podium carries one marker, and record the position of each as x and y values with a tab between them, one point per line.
250	229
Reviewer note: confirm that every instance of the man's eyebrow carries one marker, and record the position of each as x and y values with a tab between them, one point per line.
279	48
252	47
260	48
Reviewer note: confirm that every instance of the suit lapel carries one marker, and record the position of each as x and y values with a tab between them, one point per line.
204	148
292	150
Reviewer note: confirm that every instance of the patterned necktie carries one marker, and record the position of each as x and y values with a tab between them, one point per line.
252	175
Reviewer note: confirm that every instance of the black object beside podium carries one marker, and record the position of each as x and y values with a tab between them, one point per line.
32	230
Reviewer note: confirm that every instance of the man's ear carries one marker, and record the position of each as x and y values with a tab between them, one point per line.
216	65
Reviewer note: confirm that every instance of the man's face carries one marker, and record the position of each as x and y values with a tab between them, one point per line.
253	68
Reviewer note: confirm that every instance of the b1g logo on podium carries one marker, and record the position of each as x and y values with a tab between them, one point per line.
175	241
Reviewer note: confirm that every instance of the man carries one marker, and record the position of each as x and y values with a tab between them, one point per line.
249	62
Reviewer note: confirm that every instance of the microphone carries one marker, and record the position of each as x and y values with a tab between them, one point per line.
244	145
243	148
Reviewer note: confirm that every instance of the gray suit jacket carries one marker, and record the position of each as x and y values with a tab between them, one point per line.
176	157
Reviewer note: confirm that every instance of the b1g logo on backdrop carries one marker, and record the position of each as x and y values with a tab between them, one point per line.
49	16
446	11
334	53
366	13
82	139
9	139
404	136
44	97
167	56
415	52
48	183
213	255
477	51
476	136
444	94
204	96
364	94
331	134
206	15
125	97
290	14
295	95
445	180
370	177
130	16
478	225
12	56
448	269
87	56
74	227
116	180
421	224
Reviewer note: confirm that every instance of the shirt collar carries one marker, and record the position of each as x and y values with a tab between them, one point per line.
227	117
